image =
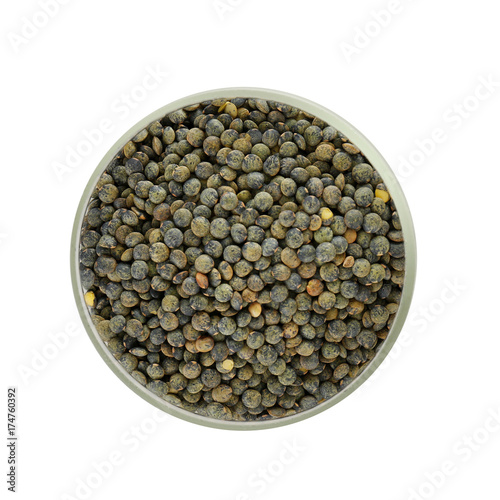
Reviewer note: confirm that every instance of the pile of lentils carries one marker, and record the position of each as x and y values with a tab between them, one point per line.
241	259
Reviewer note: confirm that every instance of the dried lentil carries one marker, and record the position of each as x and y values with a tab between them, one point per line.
242	258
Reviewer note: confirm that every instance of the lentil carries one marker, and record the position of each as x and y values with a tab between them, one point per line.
242	259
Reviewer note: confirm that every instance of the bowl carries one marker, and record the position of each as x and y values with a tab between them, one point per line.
372	155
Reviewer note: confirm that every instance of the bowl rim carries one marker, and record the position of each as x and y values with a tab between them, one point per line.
375	159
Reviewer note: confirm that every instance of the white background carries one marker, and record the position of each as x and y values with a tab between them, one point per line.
407	78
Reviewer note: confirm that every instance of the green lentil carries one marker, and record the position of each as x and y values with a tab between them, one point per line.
242	259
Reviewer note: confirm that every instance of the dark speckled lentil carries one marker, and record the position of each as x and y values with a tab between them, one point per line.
242	259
